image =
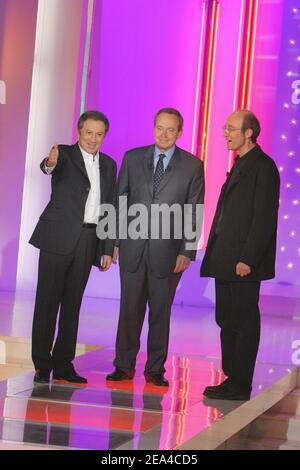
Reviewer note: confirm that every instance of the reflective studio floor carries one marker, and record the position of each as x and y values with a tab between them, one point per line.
131	414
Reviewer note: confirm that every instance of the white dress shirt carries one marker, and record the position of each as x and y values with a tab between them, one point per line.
92	206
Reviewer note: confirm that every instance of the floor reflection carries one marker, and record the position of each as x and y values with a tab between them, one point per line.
45	410
141	420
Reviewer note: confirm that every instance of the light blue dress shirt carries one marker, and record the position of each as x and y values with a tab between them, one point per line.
168	155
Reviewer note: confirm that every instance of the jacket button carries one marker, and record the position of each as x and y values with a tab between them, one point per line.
87	189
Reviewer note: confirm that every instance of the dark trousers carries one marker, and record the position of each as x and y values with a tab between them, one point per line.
238	316
138	289
61	283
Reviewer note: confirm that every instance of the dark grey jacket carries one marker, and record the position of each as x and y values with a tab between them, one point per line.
183	183
248	228
60	224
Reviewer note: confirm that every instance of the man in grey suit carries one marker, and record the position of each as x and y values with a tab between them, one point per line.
150	265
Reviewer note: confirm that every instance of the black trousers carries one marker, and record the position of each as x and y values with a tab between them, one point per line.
238	316
138	289
61	283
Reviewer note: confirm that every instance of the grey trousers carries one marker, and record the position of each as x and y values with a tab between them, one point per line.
137	290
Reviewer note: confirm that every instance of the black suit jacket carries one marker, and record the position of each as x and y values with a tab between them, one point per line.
183	183
248	227
60	224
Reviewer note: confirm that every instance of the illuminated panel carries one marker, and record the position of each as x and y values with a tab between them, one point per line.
237	71
199	78
245	60
264	77
248	53
222	91
212	19
251	58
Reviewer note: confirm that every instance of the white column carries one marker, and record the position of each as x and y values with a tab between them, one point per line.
51	116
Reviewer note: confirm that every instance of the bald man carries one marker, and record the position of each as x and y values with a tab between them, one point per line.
241	253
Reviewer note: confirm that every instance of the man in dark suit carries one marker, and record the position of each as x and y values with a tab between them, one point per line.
241	253
151	265
82	179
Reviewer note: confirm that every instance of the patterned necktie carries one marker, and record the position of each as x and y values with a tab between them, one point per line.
159	173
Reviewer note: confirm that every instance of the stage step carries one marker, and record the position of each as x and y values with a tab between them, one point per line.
278	428
289	405
261	444
15	355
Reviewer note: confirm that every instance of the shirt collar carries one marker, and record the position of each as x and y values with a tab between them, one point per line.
168	153
89	157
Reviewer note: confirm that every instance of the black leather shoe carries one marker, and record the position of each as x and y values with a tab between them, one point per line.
217	388
118	374
70	376
42	376
157	379
229	393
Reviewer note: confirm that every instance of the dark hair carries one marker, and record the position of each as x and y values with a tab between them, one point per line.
250	121
96	116
170	111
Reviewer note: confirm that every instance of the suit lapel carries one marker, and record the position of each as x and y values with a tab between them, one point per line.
78	160
233	180
236	179
148	168
240	174
170	170
103	171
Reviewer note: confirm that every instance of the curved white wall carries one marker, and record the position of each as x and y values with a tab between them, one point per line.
53	97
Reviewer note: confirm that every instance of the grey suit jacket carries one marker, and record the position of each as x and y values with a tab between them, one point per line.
183	183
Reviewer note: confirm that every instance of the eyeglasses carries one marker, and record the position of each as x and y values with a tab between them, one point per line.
229	129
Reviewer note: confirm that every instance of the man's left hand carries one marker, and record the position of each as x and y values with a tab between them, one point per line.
182	263
105	263
115	255
242	269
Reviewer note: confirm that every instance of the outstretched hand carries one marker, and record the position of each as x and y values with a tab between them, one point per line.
53	156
